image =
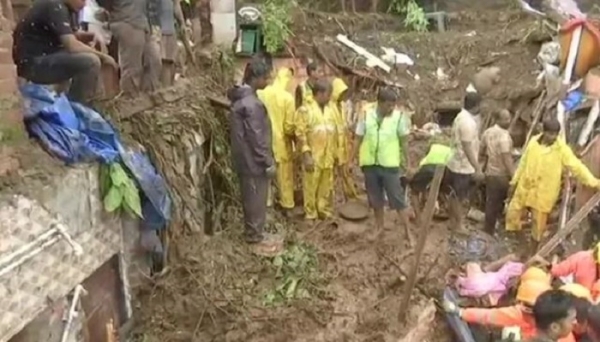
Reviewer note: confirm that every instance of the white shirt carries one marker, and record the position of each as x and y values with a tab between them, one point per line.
464	128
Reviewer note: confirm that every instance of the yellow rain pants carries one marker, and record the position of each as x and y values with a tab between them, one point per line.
316	134
537	182
343	139
281	110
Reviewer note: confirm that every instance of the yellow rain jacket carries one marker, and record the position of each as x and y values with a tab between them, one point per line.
307	93
343	139
281	109
316	132
342	155
539	174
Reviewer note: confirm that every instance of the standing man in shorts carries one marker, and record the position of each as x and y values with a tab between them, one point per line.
463	167
382	136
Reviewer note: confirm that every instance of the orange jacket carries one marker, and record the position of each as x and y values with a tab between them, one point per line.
506	317
583	267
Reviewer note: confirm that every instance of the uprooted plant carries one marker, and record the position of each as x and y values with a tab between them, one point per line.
296	273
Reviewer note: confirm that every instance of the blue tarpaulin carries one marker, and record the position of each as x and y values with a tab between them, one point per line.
70	131
75	134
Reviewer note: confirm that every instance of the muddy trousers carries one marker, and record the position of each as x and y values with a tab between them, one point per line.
348	185
496	190
139	58
515	211
254	190
317	190
285	185
82	69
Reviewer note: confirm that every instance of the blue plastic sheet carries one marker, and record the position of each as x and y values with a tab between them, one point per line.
70	131
156	203
572	100
75	134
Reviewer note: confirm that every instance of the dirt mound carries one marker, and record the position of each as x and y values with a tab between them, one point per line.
444	62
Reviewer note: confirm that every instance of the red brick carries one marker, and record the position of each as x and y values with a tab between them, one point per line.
8	71
8	86
6	56
6	40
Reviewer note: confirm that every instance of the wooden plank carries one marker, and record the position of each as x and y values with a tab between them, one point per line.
570	227
424	226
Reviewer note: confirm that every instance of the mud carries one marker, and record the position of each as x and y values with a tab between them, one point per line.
215	289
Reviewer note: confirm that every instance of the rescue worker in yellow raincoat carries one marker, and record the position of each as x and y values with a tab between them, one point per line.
305	90
536	183
281	109
338	98
317	139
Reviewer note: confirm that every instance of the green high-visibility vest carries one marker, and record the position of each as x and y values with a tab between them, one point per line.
381	144
438	155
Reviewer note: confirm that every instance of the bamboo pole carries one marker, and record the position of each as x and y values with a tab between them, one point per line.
424	223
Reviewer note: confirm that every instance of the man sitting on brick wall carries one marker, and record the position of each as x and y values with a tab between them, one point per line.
49	49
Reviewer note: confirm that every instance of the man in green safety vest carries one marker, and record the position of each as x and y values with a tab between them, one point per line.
382	136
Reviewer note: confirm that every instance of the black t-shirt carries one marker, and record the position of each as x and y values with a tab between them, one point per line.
38	33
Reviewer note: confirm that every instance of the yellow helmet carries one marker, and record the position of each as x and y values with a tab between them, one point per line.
536	274
577	290
530	290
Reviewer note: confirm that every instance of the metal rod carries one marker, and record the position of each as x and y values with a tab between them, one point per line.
23	249
29	255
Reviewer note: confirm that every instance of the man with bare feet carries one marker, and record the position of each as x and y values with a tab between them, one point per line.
463	167
382	136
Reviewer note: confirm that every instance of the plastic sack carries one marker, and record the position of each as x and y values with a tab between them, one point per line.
572	100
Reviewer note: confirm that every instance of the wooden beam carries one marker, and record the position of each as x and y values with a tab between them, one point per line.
424	225
570	227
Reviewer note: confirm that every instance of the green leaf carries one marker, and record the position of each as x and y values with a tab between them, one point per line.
113	199
131	196
291	289
278	261
104	180
118	176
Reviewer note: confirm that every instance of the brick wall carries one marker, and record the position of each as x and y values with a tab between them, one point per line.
11	120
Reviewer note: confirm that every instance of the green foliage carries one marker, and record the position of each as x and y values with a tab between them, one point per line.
415	15
118	190
276	21
296	273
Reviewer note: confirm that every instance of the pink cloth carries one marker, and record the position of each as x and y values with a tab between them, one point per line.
478	283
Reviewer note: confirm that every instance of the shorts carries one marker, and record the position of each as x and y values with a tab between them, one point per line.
168	47
382	182
458	185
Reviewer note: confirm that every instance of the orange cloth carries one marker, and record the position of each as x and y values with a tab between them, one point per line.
506	317
583	267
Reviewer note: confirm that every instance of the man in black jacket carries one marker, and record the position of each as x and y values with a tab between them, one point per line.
252	154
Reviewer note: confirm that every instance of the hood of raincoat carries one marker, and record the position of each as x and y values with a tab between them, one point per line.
283	78
239	92
339	87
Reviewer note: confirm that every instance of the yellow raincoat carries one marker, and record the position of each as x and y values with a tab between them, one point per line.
343	140
307	93
316	133
537	182
281	109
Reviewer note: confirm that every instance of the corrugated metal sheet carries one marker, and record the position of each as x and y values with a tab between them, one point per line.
26	291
